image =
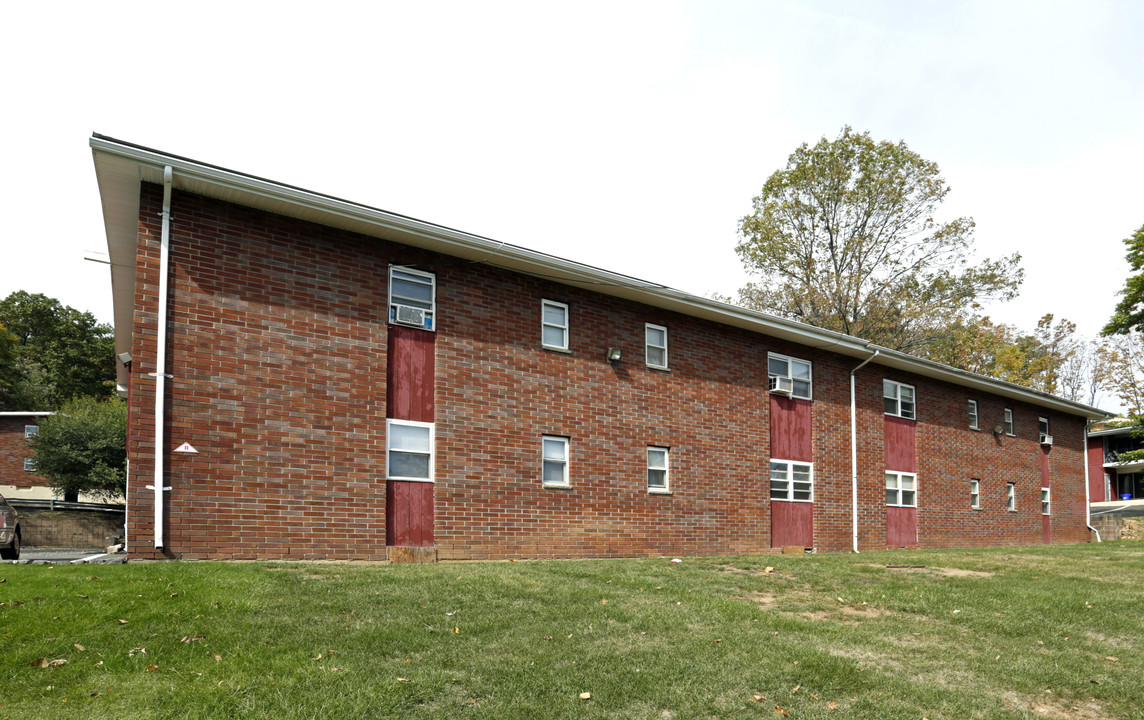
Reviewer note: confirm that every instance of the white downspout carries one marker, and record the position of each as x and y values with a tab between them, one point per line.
1087	506
161	355
854	451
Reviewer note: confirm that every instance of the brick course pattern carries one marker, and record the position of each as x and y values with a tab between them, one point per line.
277	348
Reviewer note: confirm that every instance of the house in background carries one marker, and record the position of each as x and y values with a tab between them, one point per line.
18	478
1111	478
315	378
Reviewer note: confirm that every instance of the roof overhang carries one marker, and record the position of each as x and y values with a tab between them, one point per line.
120	167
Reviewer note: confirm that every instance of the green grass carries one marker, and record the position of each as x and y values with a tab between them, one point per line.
1000	633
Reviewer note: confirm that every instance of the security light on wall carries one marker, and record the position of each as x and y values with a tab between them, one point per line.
614	354
998	429
124	357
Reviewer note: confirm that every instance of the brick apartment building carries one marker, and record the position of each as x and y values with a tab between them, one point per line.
18	478
337	381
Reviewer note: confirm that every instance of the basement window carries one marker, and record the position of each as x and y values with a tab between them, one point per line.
412	297
792	481
898	399
901	489
409	450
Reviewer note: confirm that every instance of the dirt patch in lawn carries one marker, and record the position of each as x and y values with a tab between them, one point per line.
1050	706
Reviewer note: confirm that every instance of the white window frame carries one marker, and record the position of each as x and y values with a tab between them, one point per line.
648	346
782	472
30	465
545	305
390	449
899	490
1046	501
426	278
654	466
1011	497
30	430
791	362
1008	422
1043	430
974	418
898	411
565	461
975	494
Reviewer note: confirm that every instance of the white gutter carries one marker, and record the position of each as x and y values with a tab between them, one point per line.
854	451
1087	504
161	354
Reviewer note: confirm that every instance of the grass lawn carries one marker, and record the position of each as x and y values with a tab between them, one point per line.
1000	633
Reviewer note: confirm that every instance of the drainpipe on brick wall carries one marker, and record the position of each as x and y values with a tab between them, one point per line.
161	355
854	451
1087	506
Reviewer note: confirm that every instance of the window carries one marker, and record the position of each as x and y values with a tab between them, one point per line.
1043	430
655	340
898	399
554	461
30	464
554	325
974	493
901	489
792	481
30	430
1011	497
412	297
409	450
1046	502
791	374
1008	421
657	478
973	414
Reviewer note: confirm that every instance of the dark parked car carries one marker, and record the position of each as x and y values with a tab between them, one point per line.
9	531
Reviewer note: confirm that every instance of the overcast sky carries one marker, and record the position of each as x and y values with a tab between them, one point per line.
626	135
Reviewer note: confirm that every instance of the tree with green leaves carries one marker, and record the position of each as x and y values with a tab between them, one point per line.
57	353
844	238
1129	315
83	448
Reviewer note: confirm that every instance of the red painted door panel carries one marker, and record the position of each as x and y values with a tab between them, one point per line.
791	429
409	382
901	527
792	523
1046	529
901	451
409	516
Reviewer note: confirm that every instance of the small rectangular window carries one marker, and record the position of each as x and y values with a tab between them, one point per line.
30	430
1046	501
1043	431
974	493
554	325
973	414
789	376
901	489
1011	497
412	297
792	481
657	470
30	464
898	399
409	450
655	339
1008	421
554	461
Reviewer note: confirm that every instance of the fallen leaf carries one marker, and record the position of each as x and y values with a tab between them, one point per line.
796	662
79	647
768	570
122	621
832	705
794	689
82	596
402	679
217	657
1113	659
604	601
997	658
585	696
718	640
780	711
813	696
39	662
57	663
152	668
457	630
759	698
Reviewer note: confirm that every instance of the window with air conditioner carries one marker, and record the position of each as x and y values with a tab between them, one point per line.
789	376
412	297
1043	431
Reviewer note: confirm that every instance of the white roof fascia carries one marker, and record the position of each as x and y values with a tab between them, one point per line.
211	181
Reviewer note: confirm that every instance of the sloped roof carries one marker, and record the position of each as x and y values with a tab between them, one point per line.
121	166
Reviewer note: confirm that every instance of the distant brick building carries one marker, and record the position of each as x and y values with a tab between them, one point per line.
18	478
337	381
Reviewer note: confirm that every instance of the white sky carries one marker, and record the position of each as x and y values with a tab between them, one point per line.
625	135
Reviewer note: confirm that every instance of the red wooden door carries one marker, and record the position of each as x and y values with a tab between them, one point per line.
409	394
901	527
409	516
792	523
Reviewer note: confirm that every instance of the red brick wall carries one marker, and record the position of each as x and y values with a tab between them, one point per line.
13	449
278	354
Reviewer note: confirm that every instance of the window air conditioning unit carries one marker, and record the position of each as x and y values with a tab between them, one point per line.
781	385
1046	439
405	315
